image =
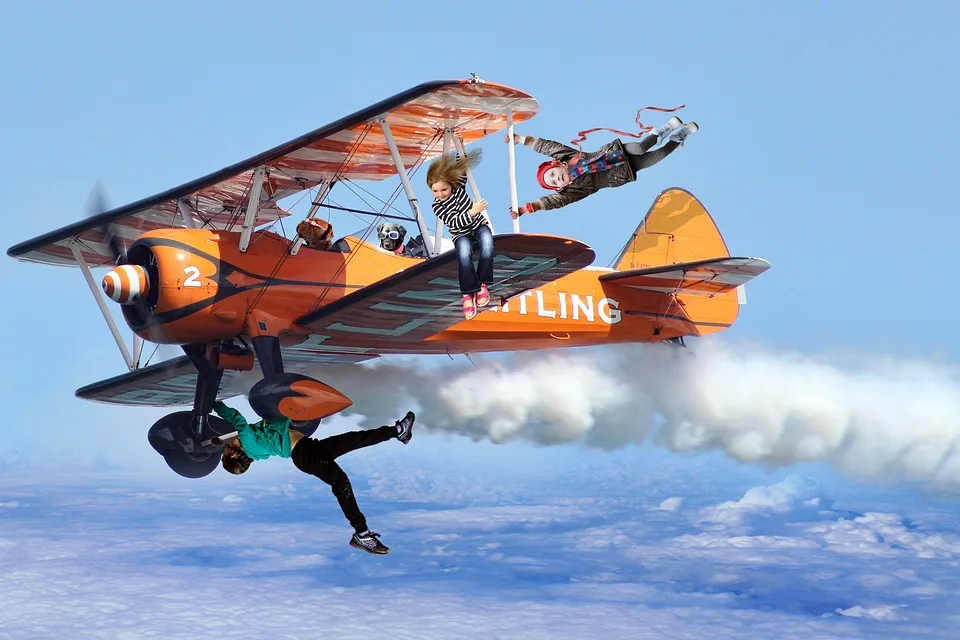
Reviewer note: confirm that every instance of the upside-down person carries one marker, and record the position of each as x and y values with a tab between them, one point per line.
317	233
447	177
574	175
277	437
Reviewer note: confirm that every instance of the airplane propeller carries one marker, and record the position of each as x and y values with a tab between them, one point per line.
96	205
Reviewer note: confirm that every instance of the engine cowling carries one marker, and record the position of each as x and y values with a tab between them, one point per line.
182	300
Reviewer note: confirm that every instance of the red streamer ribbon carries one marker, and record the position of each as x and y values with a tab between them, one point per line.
582	135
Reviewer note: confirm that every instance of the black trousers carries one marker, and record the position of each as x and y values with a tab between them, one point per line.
317	457
640	156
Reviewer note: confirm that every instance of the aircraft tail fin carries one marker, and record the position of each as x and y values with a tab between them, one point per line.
676	229
678	251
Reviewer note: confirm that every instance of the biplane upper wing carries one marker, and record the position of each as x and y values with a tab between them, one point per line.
399	313
352	148
173	382
703	277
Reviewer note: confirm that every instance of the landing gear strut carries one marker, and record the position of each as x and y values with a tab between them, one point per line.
208	385
178	437
290	395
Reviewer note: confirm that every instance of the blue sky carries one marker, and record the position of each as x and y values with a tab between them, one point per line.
826	146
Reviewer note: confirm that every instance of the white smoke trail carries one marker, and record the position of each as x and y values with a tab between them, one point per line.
878	419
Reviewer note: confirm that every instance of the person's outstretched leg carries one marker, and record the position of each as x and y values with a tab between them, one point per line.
352	440
639	148
675	139
317	458
650	158
655	136
310	456
343	443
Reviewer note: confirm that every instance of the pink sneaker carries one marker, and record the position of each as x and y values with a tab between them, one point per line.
469	307
483	296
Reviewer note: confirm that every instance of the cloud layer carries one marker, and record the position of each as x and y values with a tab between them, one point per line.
565	559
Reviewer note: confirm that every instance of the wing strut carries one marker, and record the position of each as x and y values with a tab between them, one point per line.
447	148
473	183
98	295
186	214
513	170
314	206
137	350
253	206
407	187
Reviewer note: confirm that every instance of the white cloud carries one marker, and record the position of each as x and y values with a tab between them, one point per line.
792	494
670	504
874	418
879	612
884	534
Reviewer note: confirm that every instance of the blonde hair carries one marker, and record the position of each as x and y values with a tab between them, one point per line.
450	168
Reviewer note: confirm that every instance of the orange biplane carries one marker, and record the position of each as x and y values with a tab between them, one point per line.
199	266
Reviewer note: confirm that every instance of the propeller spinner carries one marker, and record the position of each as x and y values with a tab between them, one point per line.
126	283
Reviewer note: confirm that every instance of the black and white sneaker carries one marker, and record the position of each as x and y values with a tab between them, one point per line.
369	541
405	427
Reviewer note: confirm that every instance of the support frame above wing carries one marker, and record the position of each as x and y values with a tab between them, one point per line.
351	148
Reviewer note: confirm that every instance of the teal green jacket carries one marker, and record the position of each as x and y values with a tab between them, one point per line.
259	440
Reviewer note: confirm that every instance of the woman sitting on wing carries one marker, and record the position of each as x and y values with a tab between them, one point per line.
447	177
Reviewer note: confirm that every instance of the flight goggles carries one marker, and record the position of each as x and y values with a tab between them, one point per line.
393	234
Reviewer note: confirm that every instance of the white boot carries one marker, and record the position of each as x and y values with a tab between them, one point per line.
663	131
684	132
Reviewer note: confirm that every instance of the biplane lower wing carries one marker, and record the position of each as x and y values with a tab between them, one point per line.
173	382
704	277
399	313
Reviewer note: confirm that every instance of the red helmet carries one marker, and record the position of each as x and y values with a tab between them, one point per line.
542	169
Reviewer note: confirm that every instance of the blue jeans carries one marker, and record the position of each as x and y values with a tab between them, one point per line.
471	278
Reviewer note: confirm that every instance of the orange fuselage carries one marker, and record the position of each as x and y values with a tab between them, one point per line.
204	289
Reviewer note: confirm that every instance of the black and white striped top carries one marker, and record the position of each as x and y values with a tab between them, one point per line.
455	211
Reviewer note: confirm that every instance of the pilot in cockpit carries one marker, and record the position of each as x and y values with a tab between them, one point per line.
392	235
317	233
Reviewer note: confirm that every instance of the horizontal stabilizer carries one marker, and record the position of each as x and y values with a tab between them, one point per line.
704	277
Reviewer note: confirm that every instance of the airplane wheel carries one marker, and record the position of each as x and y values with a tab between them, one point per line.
297	397
173	437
